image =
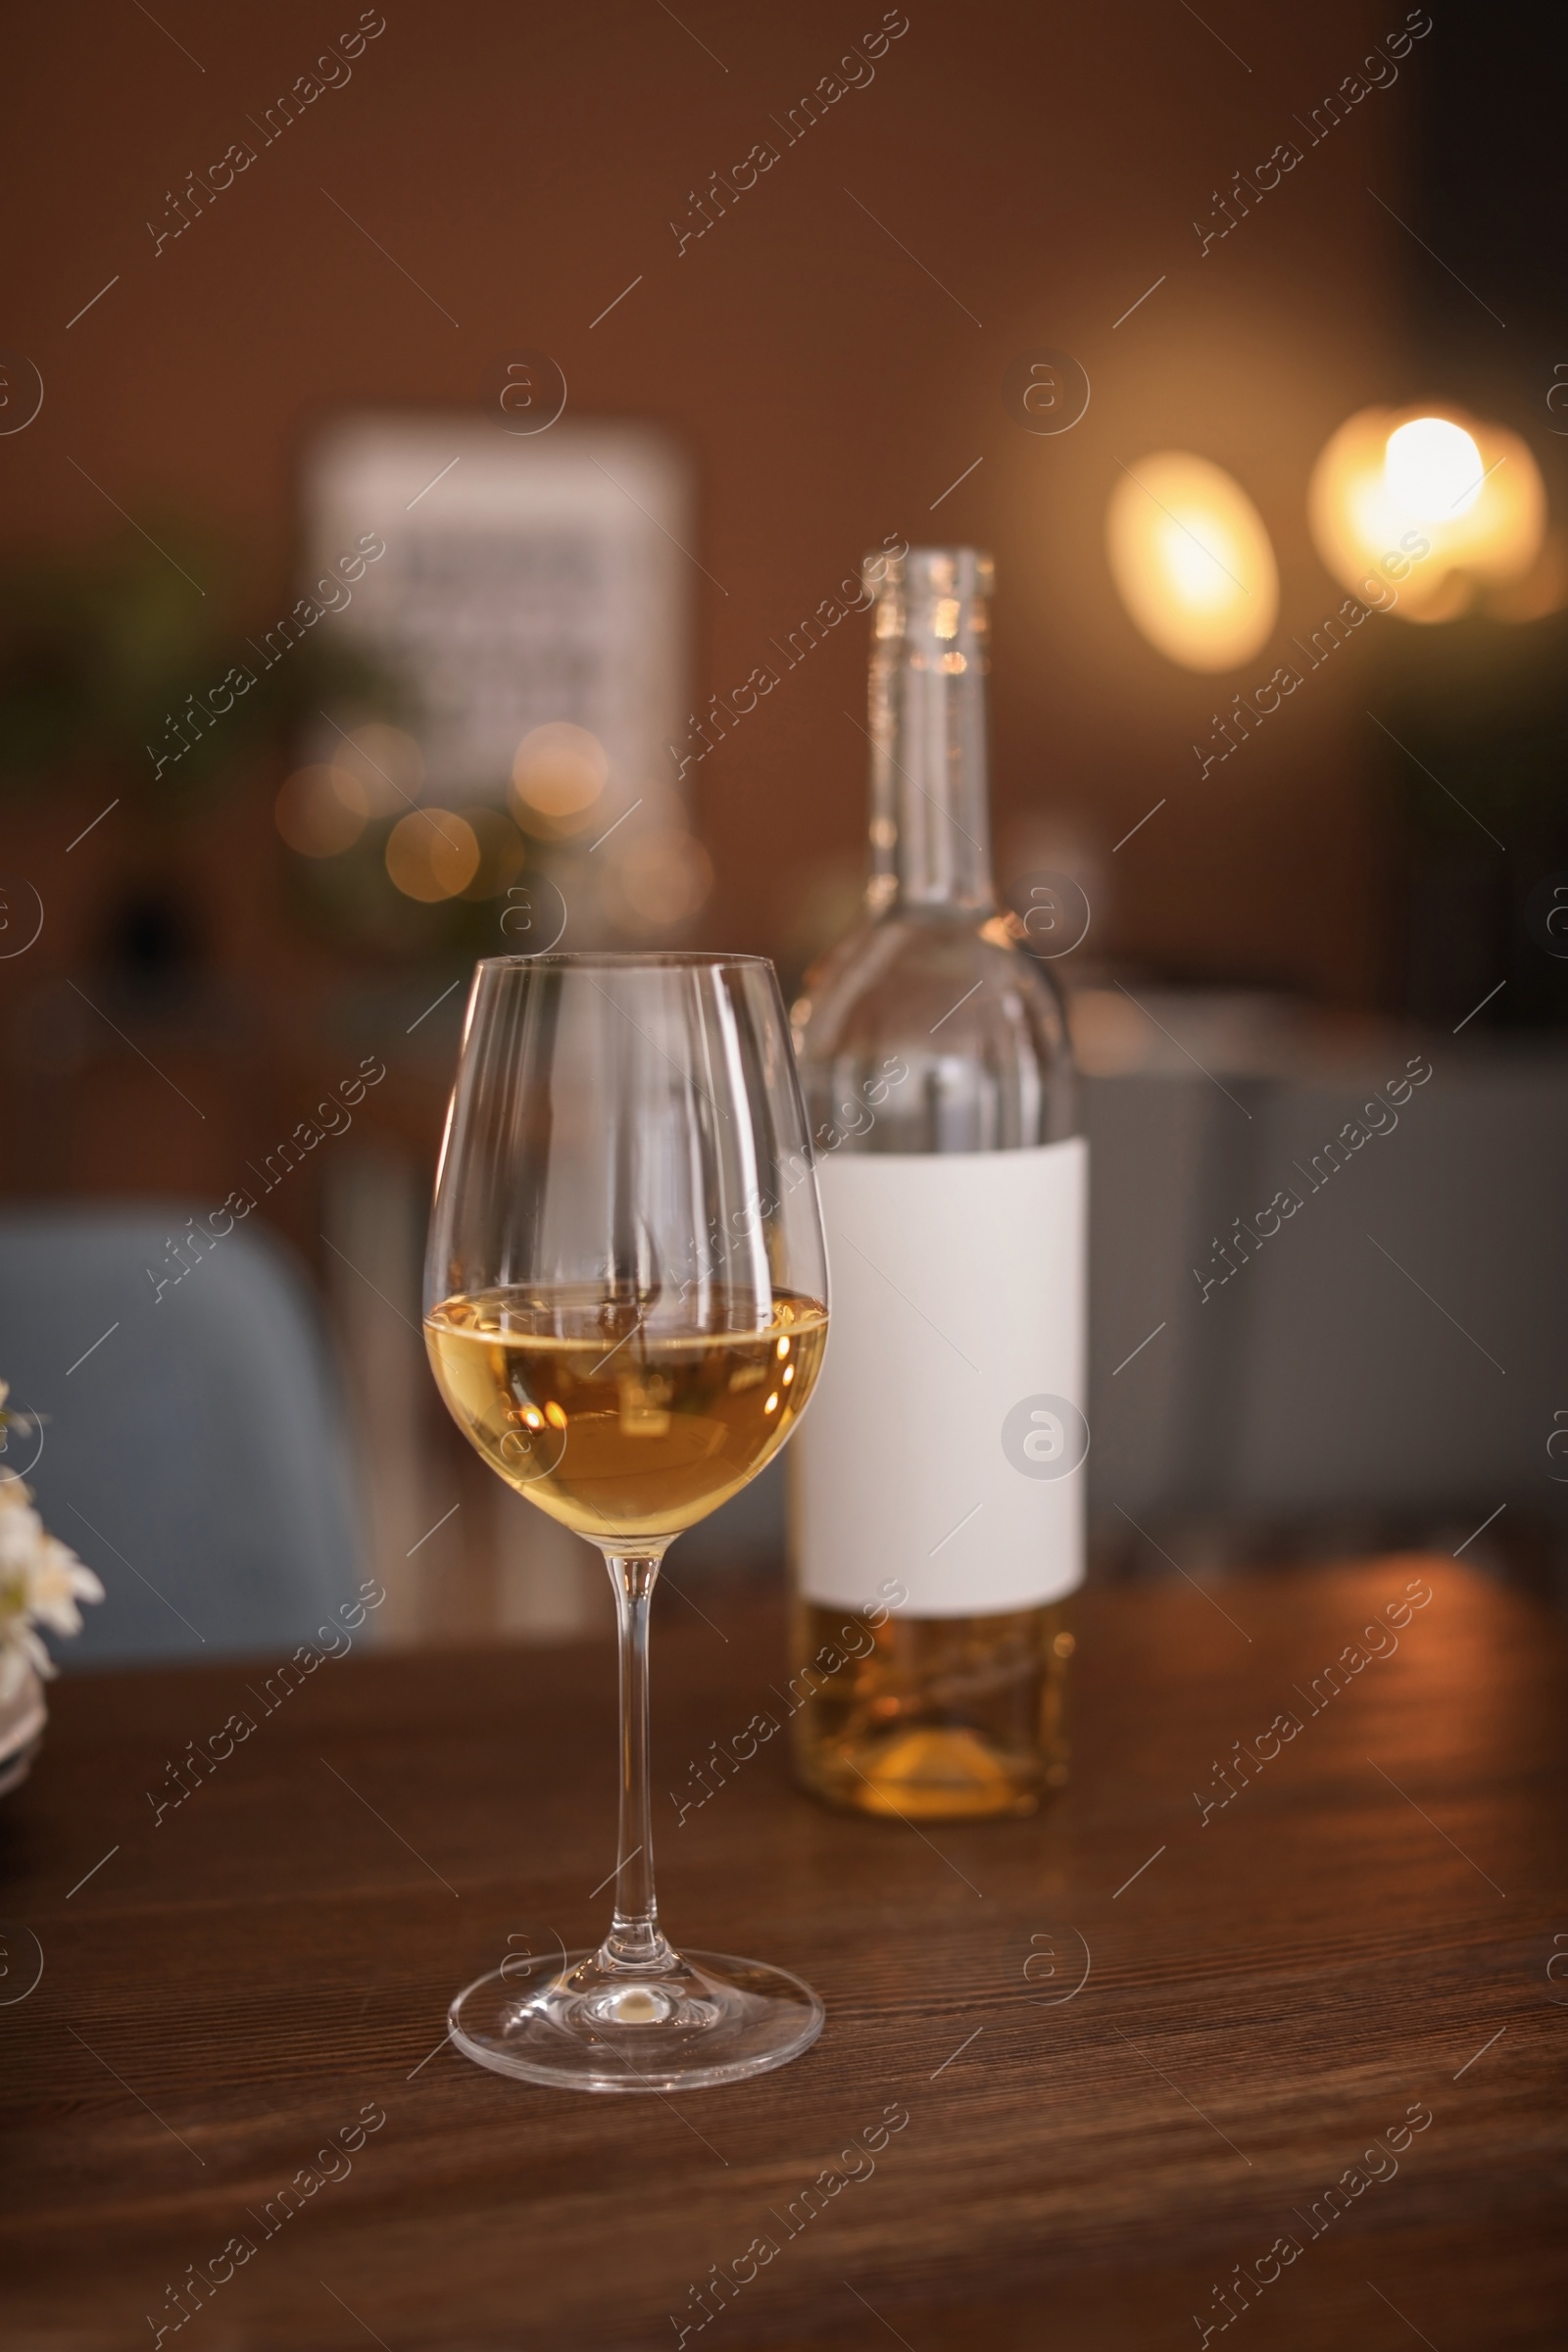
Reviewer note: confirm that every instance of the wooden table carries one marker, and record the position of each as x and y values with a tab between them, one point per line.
1135	2046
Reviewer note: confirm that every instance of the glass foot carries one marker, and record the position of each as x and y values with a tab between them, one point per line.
585	2026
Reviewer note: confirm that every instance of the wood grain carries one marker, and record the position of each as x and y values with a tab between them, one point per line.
1268	1991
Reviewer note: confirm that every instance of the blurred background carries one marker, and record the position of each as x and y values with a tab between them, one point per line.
438	448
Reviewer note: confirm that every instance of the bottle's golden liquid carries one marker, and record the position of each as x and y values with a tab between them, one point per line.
935	1718
622	1429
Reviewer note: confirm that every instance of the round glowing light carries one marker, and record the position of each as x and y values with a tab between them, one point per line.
1192	560
320	811
431	854
503	853
1424	515
665	877
385	763
1432	468
560	769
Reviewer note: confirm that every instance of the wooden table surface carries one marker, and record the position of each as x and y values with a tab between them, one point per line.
1135	2046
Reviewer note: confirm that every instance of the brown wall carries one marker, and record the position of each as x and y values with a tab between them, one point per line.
523	164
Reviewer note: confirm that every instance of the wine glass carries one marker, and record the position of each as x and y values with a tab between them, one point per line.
626	1310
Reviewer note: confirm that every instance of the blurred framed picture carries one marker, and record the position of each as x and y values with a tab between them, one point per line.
525	600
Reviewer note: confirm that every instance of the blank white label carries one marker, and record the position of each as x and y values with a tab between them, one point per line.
945	1445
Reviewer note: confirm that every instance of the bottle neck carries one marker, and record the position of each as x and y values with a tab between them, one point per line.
930	821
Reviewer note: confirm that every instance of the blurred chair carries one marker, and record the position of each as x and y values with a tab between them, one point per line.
1393	1349
193	1445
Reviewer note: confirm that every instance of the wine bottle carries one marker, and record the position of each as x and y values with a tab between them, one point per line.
937	1487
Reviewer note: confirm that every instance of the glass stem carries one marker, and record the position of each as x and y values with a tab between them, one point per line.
635	1940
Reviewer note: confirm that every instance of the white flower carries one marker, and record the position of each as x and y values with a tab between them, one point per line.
20	1526
17	1655
58	1581
42	1581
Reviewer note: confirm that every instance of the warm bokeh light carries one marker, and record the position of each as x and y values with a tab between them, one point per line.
1192	560
320	811
503	854
1427	514
385	763
665	877
1432	468
559	771
431	853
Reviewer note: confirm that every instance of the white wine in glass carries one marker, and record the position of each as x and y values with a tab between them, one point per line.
626	1311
